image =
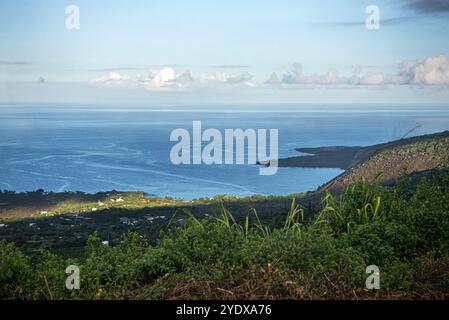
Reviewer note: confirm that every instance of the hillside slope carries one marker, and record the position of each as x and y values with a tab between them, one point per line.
348	157
391	161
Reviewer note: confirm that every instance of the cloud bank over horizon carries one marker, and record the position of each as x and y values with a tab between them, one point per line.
432	71
166	79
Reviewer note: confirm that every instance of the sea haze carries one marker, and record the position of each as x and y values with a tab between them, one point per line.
91	150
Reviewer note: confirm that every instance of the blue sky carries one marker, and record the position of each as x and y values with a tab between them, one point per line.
192	52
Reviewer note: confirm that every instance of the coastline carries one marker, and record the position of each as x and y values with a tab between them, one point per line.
344	157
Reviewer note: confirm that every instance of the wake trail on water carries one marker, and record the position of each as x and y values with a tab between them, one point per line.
162	173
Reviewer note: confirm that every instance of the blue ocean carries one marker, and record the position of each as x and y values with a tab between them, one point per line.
93	149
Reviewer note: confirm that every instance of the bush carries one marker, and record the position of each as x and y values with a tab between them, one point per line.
404	232
17	278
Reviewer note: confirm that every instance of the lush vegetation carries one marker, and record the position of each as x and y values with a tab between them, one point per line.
404	230
413	155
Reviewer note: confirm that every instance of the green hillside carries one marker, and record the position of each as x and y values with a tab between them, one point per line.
387	165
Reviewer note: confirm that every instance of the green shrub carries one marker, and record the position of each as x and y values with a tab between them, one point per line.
404	230
17	277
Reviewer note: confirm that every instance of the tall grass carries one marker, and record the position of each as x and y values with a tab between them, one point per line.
292	224
360	203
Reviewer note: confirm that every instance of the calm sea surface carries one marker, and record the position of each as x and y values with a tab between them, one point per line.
98	150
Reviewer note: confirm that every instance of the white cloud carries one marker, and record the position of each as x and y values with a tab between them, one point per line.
431	71
273	79
167	79
111	78
225	78
185	79
371	79
297	76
